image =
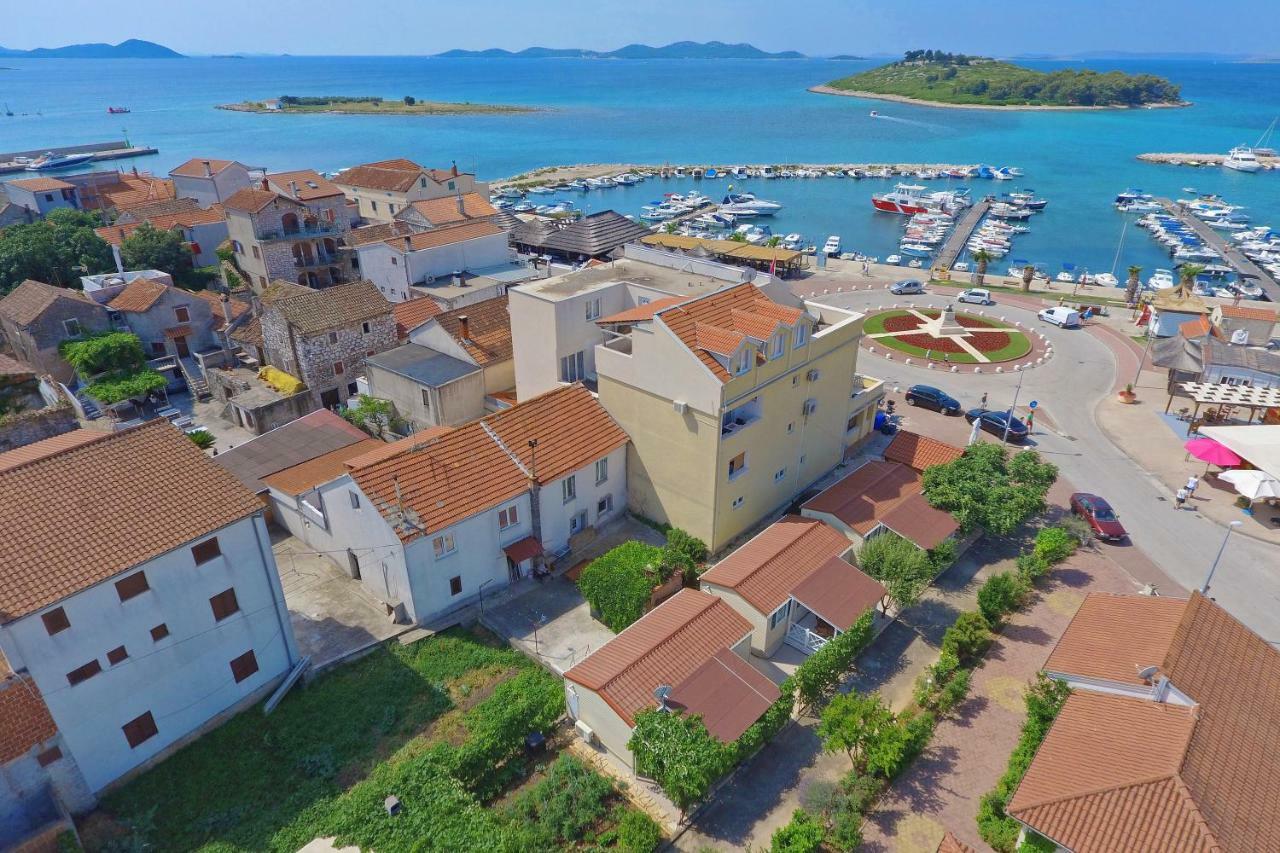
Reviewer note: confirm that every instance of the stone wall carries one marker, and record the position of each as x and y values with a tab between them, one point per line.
23	428
349	346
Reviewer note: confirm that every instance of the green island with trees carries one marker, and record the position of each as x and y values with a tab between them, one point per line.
951	79
368	105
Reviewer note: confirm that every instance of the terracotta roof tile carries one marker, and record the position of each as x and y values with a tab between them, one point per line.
839	593
378	233
334	307
163	207
253	199
488	338
48	447
25	721
715	323
445	236
390	175
26	302
249	332
413	313
442	211
1114	637
117	233
918	452
1248	312
642	312
474	467
884	493
951	844
133	496
395	448
40	185
310	183
664	646
127	192
307	475
713	339
194	168
235	306
767	568
139	295
754	325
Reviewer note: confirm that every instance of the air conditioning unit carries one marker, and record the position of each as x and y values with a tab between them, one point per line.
680	406
585	732
810	406
813	374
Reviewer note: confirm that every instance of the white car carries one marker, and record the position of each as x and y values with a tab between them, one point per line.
1066	318
976	295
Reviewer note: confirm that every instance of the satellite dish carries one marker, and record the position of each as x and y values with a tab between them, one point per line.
1148	673
661	692
1240	337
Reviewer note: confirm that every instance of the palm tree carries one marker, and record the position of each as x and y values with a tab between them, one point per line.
981	257
1187	278
738	237
1028	273
670	226
1132	285
774	242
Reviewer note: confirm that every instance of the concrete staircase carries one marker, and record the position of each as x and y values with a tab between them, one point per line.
195	378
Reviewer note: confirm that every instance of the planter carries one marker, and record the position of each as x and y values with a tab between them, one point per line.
1127	396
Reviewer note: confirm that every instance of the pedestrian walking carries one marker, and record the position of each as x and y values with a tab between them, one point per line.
983	404
1192	482
1180	498
1031	420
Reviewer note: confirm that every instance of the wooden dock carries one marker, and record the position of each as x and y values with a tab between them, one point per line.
960	236
1244	267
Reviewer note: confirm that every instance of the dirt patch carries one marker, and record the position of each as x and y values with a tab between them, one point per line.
575	571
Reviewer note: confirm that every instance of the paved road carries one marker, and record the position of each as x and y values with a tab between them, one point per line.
1068	388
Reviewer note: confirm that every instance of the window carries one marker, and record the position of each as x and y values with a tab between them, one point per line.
224	604
779	615
333	337
355	499
742	362
777	477
244	666
338	368
509	516
373	205
72	325
443	545
451	185
257	253
49	756
135	584
569	487
55	620
48	196
395	262
117	655
737	464
157	348
801	335
572	367
578	523
455	585
206	551
602	470
853	422
181	314
737	502
422	182
159	632
366	327
791	427
593	309
139	730
426	399
779	345
604	506
84	673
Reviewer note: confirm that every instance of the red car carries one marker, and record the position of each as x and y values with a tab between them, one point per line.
1101	517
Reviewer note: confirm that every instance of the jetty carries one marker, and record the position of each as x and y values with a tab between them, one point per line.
114	150
697	171
1202	159
960	236
1244	267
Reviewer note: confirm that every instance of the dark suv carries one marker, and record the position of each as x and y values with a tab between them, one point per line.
932	398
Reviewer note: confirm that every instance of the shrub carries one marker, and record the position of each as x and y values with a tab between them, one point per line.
1002	594
862	790
1032	567
996	828
1078	528
917	730
683	553
203	438
845	833
821	672
802	835
942	555
899	564
638	833
678	753
564	806
968	638
954	691
410	100
1054	544
618	584
1034	842
986	488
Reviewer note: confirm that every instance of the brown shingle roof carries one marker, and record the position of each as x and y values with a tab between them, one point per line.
1248	312
719	322
314	472
727	692
25	721
26	302
768	568
139	295
131	496
839	593
467	471
237	308
48	447
390	175
15	370
918	452
40	185
413	313
335	307
488	338
194	168
309	437
664	646
310	183
442	211
885	493
252	199
1114	637
445	236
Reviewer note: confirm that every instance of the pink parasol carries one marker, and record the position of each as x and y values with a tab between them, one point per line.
1208	450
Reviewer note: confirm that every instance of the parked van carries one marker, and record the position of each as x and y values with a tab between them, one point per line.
1059	315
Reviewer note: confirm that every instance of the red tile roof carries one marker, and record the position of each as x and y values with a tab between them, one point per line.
133	495
919	451
768	568
1114	637
139	295
665	646
641	313
441	211
128	191
194	168
716	324
444	236
119	232
253	199
48	447
839	593
235	306
523	549
488	339
951	844
25	721
390	175
1248	312
314	472
413	313
885	493
310	183
727	692
378	233
40	185
395	448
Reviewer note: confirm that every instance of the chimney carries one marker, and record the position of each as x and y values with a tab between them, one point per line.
266	185
293	188
408	244
455	168
462	208
208	168
464	322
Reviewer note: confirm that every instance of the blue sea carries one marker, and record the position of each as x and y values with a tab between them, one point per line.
673	111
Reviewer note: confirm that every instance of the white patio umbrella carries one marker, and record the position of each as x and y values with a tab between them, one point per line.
1253	484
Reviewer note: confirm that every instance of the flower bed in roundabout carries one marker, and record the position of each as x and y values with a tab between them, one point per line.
913	332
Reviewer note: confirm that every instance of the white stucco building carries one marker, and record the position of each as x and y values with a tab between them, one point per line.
400	263
209	181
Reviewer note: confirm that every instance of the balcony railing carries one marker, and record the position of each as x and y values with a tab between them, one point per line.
867	386
319	229
320	259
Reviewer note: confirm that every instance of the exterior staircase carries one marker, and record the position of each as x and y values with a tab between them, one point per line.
195	378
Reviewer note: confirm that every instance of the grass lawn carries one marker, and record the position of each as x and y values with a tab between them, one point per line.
439	723
1019	343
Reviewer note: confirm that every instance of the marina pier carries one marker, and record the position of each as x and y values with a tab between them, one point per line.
960	236
17	161
1202	159
1244	267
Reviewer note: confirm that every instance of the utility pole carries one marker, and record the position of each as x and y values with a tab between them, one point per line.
1204	590
1008	420
1143	359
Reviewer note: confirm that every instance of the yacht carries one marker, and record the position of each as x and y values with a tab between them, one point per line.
57	161
904	200
1242	159
1161	280
746	203
832	246
1106	279
793	241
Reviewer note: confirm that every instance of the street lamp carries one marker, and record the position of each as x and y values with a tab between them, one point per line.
1008	420
1204	590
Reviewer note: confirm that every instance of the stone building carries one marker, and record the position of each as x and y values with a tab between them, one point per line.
35	317
385	188
324	337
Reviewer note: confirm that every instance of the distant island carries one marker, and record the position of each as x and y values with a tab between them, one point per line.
367	105
676	50
936	78
130	49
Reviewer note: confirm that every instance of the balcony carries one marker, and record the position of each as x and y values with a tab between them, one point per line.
867	388
302	232
319	259
740	417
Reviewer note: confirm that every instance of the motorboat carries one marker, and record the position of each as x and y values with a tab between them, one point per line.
1106	279
509	192
874	114
115	111
747	202
832	246
1065	277
1242	159
916	250
894	260
1000	210
541	190
960	266
1161	279
904	199
915	263
793	241
52	161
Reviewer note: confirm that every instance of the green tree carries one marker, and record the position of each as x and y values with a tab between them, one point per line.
1187	278
678	753
410	100
903	568
1002	594
982	258
804	834
618	584
373	415
823	671
1132	285
683	553
861	726
738	237
56	250
149	248
203	438
985	488
968	637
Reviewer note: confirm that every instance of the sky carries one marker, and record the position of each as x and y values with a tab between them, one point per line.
815	27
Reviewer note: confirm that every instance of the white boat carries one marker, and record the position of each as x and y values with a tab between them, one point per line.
1161	280
52	161
960	266
1065	277
792	241
748	204
832	246
895	260
1241	159
1106	279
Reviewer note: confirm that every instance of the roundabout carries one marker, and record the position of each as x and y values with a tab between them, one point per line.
946	336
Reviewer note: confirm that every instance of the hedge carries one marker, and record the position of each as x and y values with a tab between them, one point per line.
618	584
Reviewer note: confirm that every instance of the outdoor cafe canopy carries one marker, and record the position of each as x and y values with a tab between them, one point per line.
1218	394
1258	444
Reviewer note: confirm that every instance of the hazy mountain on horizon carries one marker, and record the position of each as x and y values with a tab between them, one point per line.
676	50
129	49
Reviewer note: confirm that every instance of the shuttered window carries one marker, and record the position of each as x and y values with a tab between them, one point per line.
159	632
55	620
117	655
140	729
224	604
135	584
244	666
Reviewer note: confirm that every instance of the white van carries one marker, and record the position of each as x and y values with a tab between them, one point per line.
1059	315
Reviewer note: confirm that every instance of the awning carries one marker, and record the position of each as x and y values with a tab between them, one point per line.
728	692
177	332
839	593
1258	444
523	549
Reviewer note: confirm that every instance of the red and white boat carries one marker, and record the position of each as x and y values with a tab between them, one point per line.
905	200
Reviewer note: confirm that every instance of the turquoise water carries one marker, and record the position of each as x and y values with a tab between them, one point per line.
672	111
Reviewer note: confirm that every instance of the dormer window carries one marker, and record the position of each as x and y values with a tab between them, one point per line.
802	334
779	345
742	362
